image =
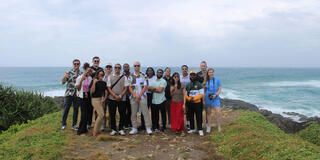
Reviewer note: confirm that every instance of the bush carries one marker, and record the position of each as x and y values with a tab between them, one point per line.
19	106
311	133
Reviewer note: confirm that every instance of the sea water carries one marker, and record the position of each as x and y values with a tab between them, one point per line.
276	89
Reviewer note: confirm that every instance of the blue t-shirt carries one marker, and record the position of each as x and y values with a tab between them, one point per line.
213	86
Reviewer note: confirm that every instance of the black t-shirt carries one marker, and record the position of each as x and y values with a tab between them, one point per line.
167	89
95	69
200	77
101	86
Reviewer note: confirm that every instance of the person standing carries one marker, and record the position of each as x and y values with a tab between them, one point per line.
185	79
138	86
83	86
212	99
108	72
194	95
157	87
117	87
98	90
150	77
168	78
95	67
70	96
201	75
178	93
127	123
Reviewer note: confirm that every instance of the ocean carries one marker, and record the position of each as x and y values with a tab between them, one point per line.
276	89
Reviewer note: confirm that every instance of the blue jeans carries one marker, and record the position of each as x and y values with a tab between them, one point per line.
68	101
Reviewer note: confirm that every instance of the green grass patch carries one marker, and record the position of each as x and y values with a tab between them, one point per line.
251	136
311	133
37	139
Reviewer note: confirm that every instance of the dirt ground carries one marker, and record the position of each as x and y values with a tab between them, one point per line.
162	146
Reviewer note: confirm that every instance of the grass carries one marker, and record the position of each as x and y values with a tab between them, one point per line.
38	139
251	136
311	133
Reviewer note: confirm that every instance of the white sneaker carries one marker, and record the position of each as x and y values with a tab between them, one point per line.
102	129
192	131
208	129
219	129
113	133
63	127
149	131
133	131
156	130
201	133
122	133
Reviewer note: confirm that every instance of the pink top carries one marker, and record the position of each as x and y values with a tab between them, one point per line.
86	85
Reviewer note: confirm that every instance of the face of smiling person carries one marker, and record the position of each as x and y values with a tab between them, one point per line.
136	66
101	74
126	68
117	69
203	66
96	62
211	74
76	65
167	72
184	70
159	74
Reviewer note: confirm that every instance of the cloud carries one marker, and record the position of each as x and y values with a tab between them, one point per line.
222	28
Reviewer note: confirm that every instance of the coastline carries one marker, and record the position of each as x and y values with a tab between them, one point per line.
287	124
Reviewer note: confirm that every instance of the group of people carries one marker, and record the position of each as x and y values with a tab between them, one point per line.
97	90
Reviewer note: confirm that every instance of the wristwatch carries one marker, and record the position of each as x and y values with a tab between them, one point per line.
120	96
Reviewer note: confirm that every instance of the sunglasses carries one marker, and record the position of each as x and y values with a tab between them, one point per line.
76	64
117	67
136	65
97	61
108	66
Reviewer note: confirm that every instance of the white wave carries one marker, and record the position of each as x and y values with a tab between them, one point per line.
230	94
53	93
310	83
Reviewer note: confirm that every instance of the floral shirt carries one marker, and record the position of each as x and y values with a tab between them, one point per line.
137	82
71	81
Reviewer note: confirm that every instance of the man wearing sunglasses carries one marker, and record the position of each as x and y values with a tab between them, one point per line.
137	87
70	96
117	86
95	65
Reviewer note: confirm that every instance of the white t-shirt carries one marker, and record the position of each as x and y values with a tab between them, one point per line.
80	93
149	82
184	80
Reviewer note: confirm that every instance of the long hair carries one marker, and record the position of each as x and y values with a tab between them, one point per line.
98	72
152	71
173	83
207	78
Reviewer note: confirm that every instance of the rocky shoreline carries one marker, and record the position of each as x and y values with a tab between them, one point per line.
286	124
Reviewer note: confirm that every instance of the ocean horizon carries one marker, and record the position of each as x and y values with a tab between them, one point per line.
276	89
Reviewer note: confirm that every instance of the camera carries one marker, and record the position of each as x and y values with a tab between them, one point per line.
211	96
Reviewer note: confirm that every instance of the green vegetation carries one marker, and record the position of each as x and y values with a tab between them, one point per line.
19	106
311	133
38	139
251	136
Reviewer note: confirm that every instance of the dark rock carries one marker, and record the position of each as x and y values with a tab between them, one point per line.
59	100
238	104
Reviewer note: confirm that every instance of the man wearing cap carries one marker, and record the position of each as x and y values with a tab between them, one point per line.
195	93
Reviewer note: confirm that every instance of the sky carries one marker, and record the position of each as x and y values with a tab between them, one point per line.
225	33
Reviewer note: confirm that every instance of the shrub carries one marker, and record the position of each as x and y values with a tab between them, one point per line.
19	106
311	133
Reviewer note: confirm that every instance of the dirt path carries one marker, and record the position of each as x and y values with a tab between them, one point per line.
166	145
